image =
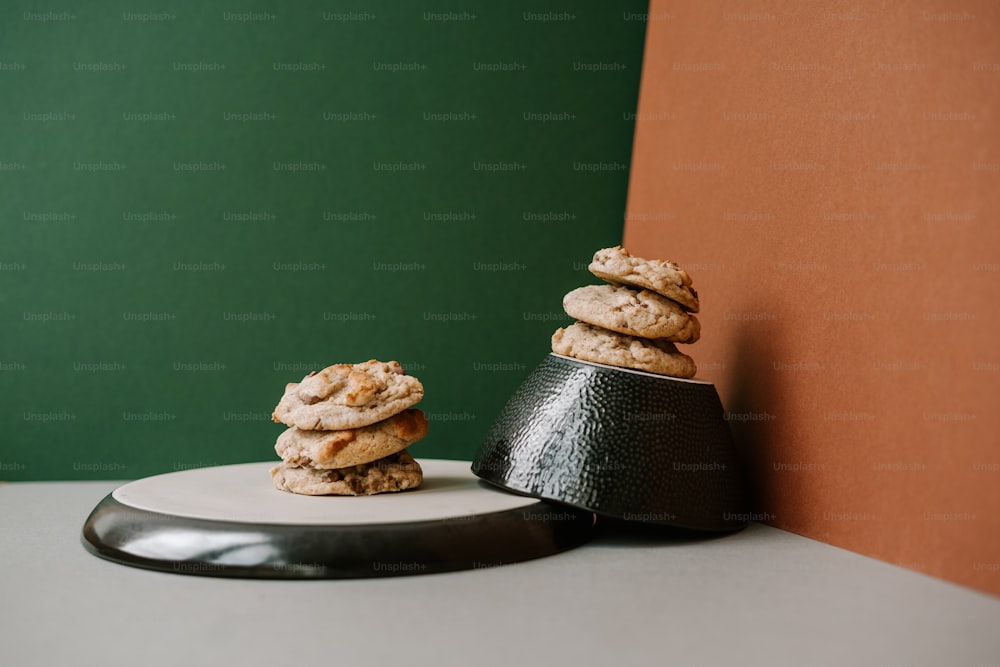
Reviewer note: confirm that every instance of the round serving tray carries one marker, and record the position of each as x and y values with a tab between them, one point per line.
229	521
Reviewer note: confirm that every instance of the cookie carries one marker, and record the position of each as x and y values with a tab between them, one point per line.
618	267
351	447
348	396
396	472
583	341
641	313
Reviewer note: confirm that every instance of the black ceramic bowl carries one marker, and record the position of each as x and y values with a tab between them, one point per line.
618	442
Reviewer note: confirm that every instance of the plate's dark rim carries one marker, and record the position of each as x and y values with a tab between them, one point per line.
140	538
637	517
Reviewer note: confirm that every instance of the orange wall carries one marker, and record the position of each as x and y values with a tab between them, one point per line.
830	177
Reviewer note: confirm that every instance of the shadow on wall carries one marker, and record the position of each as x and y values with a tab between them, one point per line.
752	409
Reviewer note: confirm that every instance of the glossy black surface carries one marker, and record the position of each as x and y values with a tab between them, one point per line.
629	445
129	536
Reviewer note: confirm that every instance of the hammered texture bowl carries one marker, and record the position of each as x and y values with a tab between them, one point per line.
620	443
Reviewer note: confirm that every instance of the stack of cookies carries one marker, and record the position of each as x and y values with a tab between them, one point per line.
349	428
635	320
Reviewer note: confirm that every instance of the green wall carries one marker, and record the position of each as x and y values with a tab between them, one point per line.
199	205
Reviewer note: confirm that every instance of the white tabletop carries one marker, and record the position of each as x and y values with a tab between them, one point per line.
759	597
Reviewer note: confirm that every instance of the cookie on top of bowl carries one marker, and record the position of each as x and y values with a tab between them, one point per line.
636	319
